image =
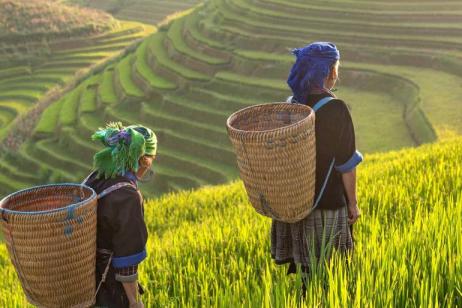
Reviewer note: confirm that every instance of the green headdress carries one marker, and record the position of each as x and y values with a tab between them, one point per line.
124	147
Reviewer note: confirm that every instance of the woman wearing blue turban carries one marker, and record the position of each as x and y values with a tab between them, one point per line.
311	79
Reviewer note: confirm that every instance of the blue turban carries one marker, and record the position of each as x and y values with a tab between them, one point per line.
312	65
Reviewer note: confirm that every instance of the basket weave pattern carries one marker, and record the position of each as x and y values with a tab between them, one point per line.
50	232
275	147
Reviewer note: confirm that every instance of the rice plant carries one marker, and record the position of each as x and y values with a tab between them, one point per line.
208	248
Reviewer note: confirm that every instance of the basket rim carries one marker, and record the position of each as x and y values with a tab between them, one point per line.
65	208
234	114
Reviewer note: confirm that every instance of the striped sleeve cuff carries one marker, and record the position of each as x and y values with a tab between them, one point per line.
125	278
119	262
351	163
127	274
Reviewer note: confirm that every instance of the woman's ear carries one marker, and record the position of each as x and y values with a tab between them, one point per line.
143	161
333	74
146	161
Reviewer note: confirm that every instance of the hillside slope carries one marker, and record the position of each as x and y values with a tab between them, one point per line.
209	247
185	80
47	44
38	19
145	11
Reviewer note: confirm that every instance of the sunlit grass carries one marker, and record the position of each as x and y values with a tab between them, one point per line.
209	247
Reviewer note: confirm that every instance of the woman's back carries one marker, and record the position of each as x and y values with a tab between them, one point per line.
335	138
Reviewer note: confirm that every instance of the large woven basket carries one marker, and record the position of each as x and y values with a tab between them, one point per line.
50	232
276	154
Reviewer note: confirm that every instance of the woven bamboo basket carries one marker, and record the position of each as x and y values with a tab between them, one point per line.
50	232
276	155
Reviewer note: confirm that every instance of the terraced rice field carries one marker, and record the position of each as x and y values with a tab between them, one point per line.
33	21
398	74
145	11
23	83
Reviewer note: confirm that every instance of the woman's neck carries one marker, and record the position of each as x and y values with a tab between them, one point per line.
131	176
322	91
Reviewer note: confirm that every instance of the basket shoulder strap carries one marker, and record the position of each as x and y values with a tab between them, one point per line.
87	178
115	187
321	103
324	184
104	275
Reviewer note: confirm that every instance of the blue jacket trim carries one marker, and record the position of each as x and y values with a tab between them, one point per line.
119	262
351	163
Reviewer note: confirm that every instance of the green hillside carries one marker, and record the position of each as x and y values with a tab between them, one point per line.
26	78
145	11
38	19
45	46
397	74
209	248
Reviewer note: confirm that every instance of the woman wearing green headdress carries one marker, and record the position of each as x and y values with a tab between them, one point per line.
121	231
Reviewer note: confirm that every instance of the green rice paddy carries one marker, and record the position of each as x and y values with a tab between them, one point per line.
209	248
21	84
185	79
145	11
